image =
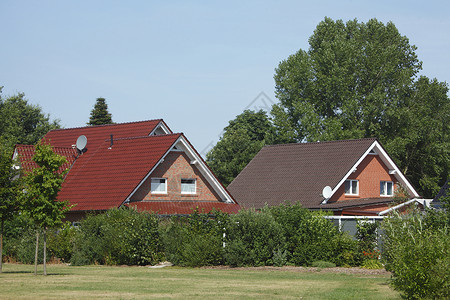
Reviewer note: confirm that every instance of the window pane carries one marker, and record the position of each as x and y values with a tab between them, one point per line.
347	187
389	188
188	186
382	188
354	187
158	185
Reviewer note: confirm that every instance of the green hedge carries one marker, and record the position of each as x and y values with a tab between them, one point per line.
119	236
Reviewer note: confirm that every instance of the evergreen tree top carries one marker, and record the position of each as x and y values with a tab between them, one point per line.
100	114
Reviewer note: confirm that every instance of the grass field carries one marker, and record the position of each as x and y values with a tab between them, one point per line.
18	281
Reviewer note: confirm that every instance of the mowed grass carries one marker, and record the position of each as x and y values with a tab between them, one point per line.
67	282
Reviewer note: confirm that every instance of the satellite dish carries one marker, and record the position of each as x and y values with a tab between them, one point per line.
81	143
326	192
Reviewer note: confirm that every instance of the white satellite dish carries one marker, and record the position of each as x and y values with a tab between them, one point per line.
81	143
326	192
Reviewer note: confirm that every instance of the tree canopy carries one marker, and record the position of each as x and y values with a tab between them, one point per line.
21	122
360	80
242	139
100	114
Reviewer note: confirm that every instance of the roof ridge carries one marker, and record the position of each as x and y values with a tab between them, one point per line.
144	136
104	125
323	142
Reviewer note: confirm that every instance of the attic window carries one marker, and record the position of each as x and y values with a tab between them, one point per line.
372	152
159	186
351	187
188	186
386	188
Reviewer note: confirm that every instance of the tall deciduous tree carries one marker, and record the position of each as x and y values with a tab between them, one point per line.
360	80
41	188
8	199
21	122
100	114
242	139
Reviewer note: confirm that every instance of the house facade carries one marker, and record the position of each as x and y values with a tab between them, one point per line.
348	177
140	164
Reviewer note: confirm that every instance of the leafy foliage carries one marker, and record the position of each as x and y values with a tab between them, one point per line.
196	240
21	122
119	236
310	237
416	249
41	187
252	238
358	80
242	139
100	114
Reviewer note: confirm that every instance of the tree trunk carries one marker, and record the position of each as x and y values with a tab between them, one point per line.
1	247
45	251
36	254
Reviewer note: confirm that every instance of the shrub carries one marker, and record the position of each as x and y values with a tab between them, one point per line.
119	236
196	240
310	237
20	240
60	242
323	264
251	238
279	258
372	264
418	256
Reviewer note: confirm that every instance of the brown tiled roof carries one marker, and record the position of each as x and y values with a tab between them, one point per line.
355	203
296	172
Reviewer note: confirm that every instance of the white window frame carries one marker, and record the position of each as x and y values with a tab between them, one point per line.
158	192
351	187
189	192
385	189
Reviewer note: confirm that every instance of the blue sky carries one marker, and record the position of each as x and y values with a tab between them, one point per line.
196	64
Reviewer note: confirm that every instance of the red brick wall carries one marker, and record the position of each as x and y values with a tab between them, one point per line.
176	166
369	173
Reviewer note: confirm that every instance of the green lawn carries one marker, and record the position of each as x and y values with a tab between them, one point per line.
18	281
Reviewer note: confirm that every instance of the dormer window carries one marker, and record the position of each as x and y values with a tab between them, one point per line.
351	187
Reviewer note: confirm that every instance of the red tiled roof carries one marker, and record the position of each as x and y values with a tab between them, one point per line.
184	207
296	172
104	176
107	177
96	135
26	153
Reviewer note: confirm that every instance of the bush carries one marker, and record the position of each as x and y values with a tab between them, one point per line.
20	241
279	258
196	240
251	239
60	242
418	256
119	236
323	264
310	237
372	264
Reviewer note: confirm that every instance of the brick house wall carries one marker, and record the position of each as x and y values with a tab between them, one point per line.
176	166
369	173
